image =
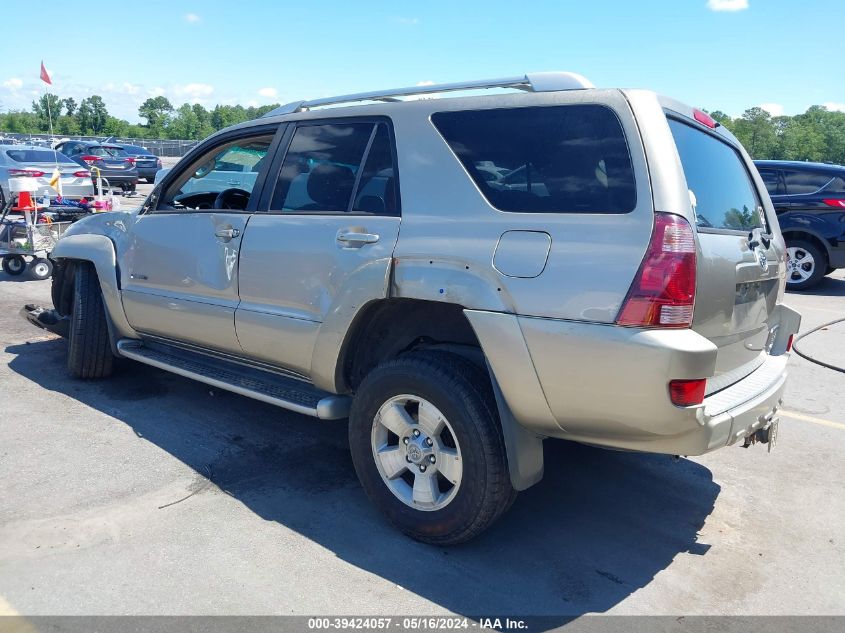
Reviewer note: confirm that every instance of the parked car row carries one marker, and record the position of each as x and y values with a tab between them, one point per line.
80	163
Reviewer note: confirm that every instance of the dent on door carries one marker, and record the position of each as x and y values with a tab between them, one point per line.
180	277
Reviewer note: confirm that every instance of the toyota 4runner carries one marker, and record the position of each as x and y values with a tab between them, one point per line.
461	278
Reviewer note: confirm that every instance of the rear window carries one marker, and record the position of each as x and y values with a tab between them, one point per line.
721	190
36	156
559	159
116	151
837	185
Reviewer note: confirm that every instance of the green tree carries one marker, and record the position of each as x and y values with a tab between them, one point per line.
156	110
44	107
755	131
70	106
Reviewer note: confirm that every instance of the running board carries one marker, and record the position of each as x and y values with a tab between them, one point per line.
288	393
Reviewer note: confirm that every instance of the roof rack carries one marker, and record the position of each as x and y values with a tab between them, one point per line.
531	82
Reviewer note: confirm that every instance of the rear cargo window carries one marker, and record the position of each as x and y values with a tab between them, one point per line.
721	190
559	159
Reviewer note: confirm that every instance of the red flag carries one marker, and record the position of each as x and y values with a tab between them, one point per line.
44	76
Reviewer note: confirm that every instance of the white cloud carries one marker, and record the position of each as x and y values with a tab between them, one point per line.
727	5
270	93
407	21
158	91
775	109
124	88
834	107
192	18
14	84
195	93
427	82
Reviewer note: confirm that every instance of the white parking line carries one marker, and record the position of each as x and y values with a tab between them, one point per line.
814	420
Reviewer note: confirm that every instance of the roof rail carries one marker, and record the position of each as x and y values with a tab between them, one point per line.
532	82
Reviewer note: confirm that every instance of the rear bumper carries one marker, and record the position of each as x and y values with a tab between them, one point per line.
608	386
146	172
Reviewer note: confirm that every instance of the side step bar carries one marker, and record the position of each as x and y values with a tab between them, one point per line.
288	393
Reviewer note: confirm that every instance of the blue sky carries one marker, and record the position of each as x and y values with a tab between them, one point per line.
716	54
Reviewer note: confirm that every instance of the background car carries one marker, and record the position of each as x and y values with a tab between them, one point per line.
114	163
146	163
21	161
809	199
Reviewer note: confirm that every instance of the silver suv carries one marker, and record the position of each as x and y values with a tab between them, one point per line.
461	278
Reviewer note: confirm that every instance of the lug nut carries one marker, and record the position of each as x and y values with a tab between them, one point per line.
422	468
416	432
429	441
407	459
405	440
432	459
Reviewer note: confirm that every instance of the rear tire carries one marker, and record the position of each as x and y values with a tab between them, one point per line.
41	268
14	265
806	264
469	449
89	348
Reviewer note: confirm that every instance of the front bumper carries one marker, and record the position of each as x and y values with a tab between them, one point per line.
607	385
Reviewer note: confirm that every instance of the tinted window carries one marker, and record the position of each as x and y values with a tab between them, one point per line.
798	182
36	156
115	151
772	181
134	150
837	185
720	187
561	159
376	191
320	168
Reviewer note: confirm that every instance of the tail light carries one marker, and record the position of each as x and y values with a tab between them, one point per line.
789	342
832	202
131	161
685	393
90	159
26	173
82	173
663	292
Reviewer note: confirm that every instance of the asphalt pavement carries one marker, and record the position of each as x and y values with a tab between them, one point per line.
152	494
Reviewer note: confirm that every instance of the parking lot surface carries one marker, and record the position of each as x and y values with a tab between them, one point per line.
151	494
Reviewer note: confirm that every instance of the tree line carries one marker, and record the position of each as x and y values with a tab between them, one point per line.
90	117
816	135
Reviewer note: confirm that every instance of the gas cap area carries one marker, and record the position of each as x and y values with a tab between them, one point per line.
522	253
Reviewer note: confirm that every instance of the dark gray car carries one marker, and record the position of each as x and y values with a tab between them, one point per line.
110	161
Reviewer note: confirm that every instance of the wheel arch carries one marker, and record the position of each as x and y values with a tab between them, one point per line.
812	237
387	328
99	251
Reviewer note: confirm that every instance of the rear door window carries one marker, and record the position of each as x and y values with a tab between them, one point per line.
555	159
338	168
803	182
720	186
771	178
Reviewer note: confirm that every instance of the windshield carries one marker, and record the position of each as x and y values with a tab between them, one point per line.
37	156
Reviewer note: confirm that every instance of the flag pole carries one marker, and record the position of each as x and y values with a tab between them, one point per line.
50	121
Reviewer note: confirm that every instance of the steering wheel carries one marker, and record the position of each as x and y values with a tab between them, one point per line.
231	199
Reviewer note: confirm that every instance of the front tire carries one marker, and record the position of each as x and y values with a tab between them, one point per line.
89	348
14	265
806	264
428	448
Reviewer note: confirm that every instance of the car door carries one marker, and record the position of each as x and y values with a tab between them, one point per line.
325	244
179	274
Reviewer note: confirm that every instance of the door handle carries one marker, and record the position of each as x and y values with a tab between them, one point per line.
355	238
227	234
